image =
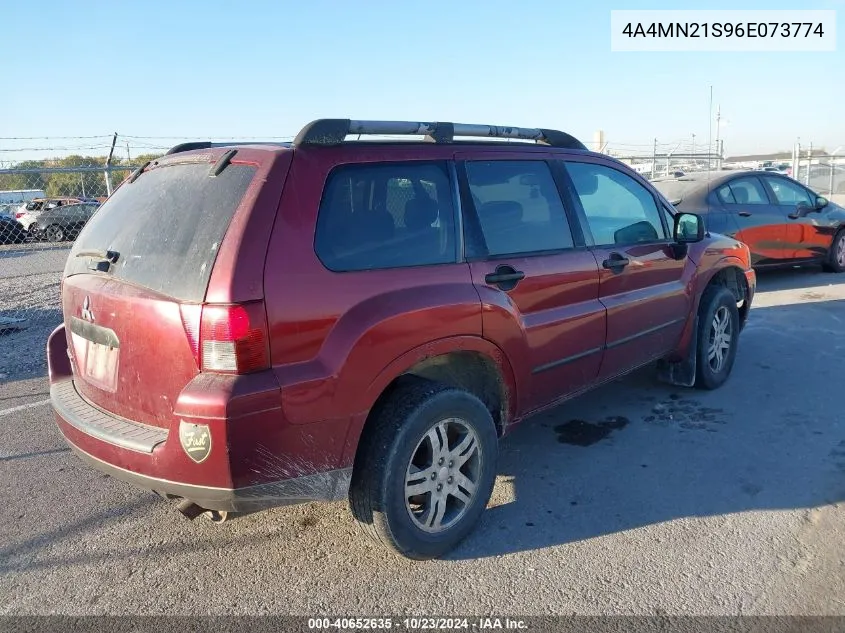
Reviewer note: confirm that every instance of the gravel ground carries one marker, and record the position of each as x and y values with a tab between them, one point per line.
29	290
725	502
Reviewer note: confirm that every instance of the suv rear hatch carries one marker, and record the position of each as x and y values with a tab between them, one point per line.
137	277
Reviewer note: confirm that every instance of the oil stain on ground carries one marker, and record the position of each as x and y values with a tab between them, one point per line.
582	433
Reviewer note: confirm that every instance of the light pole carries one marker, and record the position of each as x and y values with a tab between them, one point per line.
693	148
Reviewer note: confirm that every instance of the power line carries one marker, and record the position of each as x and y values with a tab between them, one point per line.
53	149
51	138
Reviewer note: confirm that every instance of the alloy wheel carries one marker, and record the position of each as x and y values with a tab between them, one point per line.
443	475
721	333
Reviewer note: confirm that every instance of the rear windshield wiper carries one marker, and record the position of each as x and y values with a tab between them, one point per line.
106	259
109	256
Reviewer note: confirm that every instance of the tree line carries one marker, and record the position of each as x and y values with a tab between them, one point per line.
90	184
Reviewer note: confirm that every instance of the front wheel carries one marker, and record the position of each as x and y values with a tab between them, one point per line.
718	336
54	233
835	261
425	470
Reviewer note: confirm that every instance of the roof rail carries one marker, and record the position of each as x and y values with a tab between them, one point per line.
192	145
335	131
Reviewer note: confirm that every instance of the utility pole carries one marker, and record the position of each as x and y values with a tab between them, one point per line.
710	131
108	164
693	148
128	157
809	164
654	160
718	120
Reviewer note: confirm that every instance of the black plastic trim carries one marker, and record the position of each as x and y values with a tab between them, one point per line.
564	361
651	330
323	132
332	485
222	163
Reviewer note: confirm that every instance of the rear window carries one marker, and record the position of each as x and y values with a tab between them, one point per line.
167	227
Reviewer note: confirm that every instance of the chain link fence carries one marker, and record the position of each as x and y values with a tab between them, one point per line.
43	206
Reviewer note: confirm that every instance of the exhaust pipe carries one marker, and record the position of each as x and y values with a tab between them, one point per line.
191	510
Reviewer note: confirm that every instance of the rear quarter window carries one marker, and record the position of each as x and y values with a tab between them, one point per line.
386	215
167	227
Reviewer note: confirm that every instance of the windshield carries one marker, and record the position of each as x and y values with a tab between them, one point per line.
166	226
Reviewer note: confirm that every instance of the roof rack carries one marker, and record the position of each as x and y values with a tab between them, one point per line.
335	131
192	145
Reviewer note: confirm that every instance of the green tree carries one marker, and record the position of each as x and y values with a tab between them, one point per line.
25	180
91	184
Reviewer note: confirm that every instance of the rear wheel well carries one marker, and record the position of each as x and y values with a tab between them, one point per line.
734	280
469	371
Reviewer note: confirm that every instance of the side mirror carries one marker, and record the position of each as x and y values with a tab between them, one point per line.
821	202
689	228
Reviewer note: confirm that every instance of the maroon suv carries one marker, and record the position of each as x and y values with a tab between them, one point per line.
252	325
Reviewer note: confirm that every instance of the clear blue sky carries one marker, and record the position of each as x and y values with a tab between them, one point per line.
196	69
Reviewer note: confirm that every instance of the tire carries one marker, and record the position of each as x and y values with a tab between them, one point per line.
835	260
54	233
718	316
407	426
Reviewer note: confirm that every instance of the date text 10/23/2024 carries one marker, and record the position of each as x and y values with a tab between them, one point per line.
418	624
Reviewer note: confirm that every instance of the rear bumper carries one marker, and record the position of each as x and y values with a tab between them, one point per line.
327	486
254	460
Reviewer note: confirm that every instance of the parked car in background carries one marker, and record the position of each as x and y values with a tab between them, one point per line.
8	210
11	231
783	222
444	291
62	223
777	170
28	212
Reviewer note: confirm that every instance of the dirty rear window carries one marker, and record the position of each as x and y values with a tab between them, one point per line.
167	227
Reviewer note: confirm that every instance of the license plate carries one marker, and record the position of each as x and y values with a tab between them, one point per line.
101	365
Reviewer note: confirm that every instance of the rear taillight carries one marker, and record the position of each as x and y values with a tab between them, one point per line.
19	215
232	338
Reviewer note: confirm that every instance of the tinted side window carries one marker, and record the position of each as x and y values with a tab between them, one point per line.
518	206
748	191
619	210
788	193
386	215
726	195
